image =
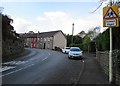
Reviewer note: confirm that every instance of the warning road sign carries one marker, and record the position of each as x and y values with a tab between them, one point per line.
110	16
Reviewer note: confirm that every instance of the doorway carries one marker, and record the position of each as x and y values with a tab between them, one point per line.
44	46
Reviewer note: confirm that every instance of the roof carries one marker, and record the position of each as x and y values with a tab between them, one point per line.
42	35
48	34
28	35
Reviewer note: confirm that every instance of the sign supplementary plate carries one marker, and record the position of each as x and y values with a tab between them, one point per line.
111	22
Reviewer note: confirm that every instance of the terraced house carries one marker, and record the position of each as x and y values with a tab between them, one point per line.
44	40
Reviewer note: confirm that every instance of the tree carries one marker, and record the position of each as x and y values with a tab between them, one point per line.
68	39
87	39
103	40
77	39
116	37
7	28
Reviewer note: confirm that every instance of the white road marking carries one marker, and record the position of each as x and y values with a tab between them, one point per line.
44	58
17	63
14	63
4	68
79	76
17	70
11	62
33	59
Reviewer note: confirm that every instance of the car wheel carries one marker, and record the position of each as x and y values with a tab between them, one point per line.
81	57
65	52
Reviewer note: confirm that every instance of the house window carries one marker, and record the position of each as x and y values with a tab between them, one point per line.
44	39
27	39
48	39
38	39
34	39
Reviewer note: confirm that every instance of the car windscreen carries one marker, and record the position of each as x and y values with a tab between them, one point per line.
67	48
74	49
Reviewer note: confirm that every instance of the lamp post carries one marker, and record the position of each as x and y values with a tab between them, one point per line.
72	33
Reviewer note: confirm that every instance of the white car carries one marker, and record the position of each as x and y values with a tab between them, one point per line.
75	52
66	50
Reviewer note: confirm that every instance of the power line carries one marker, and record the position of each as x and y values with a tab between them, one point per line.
97	7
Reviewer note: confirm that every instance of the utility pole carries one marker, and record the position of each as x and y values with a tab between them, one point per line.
1	10
72	33
110	55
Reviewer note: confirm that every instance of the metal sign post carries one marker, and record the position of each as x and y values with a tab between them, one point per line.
110	19
110	55
110	59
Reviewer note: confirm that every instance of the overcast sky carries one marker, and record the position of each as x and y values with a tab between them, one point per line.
37	15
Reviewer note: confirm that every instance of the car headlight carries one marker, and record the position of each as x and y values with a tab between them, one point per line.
70	53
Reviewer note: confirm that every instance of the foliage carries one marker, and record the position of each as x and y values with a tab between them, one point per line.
68	39
58	49
103	40
87	39
78	45
92	46
76	39
116	37
7	29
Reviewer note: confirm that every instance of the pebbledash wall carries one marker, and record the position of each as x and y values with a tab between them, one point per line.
11	48
103	58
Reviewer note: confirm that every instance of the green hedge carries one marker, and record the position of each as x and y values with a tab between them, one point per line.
77	45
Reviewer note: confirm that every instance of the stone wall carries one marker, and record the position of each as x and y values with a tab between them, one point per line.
116	66
103	58
11	48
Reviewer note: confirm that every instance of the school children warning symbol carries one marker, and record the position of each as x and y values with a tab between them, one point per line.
110	14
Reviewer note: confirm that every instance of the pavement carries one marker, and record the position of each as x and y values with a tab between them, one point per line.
92	73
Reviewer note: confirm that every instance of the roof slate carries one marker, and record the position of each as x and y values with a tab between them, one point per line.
41	35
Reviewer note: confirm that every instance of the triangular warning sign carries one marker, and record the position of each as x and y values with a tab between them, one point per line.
110	14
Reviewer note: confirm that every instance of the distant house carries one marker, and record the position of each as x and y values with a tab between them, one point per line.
30	39
45	40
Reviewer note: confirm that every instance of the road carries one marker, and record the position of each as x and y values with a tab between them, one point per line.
52	67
